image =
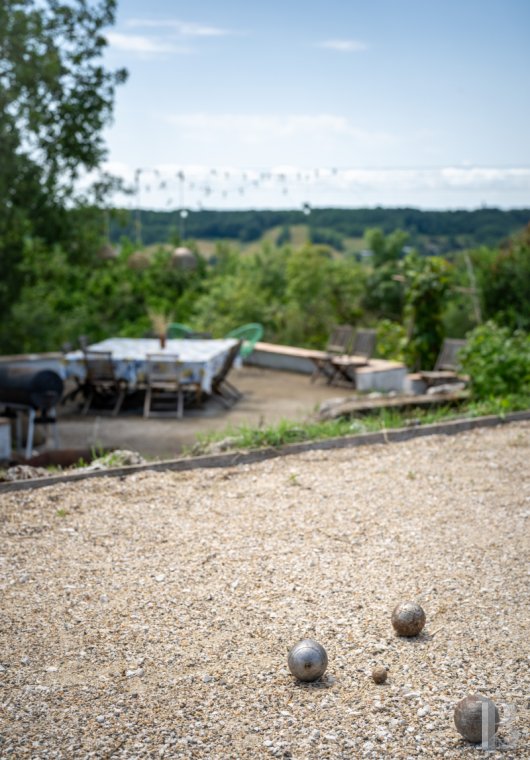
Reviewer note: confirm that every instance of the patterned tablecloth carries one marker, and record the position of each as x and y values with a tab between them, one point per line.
201	359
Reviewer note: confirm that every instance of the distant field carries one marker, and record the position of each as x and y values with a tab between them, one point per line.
299	236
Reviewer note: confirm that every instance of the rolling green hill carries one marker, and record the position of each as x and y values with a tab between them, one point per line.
435	232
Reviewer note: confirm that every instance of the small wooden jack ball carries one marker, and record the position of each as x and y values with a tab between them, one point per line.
379	674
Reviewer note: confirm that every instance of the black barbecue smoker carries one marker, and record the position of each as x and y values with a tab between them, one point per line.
35	392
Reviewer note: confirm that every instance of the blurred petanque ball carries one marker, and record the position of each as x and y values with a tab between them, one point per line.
307	660
471	712
379	674
408	619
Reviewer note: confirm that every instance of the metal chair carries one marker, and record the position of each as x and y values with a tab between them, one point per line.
249	334
101	379
178	330
163	377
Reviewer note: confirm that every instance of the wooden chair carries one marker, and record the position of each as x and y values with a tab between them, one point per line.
447	364
362	348
222	389
364	343
164	384
101	379
339	343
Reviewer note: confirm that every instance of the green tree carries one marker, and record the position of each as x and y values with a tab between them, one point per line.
504	279
384	295
55	99
385	248
242	289
320	291
297	295
427	281
61	299
391	340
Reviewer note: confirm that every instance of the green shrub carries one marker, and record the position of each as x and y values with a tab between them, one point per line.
391	340
497	361
427	281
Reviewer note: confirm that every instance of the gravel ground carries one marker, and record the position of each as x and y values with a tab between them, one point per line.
151	616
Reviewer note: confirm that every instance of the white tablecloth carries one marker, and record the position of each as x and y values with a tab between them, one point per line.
201	359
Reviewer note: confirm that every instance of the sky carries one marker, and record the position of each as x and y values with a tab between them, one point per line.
348	103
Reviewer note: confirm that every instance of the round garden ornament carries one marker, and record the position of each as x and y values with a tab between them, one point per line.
408	619
307	660
472	714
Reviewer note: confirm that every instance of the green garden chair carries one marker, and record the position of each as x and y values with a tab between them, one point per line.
178	330
249	334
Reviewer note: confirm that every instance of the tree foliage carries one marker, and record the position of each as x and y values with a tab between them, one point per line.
504	278
55	99
297	294
385	248
497	361
61	299
427	281
383	297
430	232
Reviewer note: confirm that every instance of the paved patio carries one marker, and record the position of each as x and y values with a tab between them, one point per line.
268	397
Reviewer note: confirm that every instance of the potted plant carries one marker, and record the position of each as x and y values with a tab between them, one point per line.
160	321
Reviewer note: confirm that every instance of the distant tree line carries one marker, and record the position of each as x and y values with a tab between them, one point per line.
431	232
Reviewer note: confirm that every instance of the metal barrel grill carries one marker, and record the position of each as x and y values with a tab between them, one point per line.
24	386
29	390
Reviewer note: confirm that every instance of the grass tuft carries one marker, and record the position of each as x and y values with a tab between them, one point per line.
287	431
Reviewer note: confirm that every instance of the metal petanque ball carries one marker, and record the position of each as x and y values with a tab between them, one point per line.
470	712
408	619
307	660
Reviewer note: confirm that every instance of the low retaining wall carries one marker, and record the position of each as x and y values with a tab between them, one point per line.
381	375
259	455
378	375
286	358
53	361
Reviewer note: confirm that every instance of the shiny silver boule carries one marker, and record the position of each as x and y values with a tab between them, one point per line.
470	712
307	660
408	619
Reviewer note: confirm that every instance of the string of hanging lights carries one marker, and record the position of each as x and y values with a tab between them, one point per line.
191	188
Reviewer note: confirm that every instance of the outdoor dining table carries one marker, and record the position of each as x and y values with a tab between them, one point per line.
201	359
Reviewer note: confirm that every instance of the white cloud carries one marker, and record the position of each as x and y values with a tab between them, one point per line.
485	176
181	28
255	128
344	46
142	45
288	186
